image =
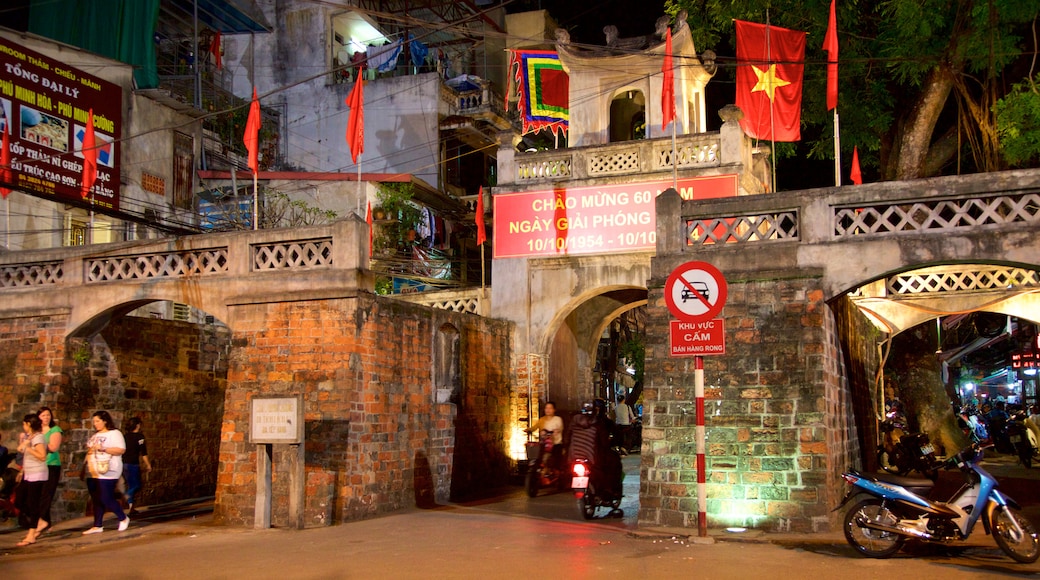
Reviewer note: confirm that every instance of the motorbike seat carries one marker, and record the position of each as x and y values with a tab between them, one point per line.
918	485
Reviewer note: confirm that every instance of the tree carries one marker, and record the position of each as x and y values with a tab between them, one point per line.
918	78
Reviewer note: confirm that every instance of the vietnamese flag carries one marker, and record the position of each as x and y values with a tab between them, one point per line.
5	160
668	83
368	220
855	175
214	48
89	151
770	62
252	134
356	122
830	44
481	233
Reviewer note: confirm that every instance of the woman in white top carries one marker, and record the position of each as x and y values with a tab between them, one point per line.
34	474
104	467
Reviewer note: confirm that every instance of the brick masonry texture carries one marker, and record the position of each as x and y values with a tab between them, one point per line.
770	444
380	436
171	374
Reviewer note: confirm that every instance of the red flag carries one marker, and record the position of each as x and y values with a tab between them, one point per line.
89	152
214	48
5	159
356	122
770	61
855	175
481	234
368	220
252	135
830	44
668	83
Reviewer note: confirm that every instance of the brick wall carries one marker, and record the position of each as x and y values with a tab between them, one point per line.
379	434
170	374
770	445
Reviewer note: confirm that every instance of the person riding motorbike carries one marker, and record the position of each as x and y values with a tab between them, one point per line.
590	440
553	424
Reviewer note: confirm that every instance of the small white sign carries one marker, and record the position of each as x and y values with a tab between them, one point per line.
276	420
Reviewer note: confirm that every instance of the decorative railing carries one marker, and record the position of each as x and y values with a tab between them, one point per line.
951	279
469	300
157	265
936	214
38	274
742	229
629	158
286	255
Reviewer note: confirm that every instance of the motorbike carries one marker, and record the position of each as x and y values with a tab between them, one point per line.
902	452
541	470
588	497
896	510
1022	439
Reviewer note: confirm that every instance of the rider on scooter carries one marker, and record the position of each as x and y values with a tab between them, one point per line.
591	426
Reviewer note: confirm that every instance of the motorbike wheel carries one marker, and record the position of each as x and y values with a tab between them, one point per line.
533	481
587	503
868	542
1018	541
1027	458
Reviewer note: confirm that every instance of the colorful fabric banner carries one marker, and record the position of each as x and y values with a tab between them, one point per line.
89	152
668	84
481	233
384	58
830	44
543	90
770	62
214	49
356	121
252	135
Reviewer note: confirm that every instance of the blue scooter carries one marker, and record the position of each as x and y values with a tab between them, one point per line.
897	510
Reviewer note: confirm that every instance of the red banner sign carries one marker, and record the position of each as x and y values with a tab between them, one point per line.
44	104
697	338
590	220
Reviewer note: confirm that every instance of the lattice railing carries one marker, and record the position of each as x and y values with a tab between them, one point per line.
294	254
975	279
157	265
743	229
38	274
690	155
615	162
940	214
469	305
545	169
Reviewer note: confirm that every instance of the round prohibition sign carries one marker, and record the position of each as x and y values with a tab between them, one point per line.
695	292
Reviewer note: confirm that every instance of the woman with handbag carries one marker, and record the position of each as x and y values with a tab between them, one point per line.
104	467
52	439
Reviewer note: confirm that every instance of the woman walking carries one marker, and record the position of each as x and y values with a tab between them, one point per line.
34	475
134	459
104	467
52	440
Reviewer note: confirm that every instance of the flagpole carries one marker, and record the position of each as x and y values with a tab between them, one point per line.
482	268
837	151
359	185
675	161
256	204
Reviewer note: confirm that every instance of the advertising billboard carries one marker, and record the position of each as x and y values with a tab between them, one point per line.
600	219
44	104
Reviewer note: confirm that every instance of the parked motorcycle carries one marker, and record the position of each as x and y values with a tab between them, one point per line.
896	509
1022	439
541	469
902	452
589	498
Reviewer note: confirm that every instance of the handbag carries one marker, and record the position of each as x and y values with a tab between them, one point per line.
100	465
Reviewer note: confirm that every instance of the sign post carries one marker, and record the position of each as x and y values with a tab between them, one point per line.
695	293
277	420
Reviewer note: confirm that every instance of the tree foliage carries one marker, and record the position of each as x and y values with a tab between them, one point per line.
918	79
1018	123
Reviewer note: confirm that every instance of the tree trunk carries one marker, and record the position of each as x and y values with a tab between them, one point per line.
914	141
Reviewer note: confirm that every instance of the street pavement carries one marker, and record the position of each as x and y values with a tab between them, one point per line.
505	536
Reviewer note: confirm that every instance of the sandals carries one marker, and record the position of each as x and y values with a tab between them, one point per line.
28	541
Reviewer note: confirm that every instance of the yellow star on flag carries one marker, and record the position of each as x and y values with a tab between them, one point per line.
768	81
